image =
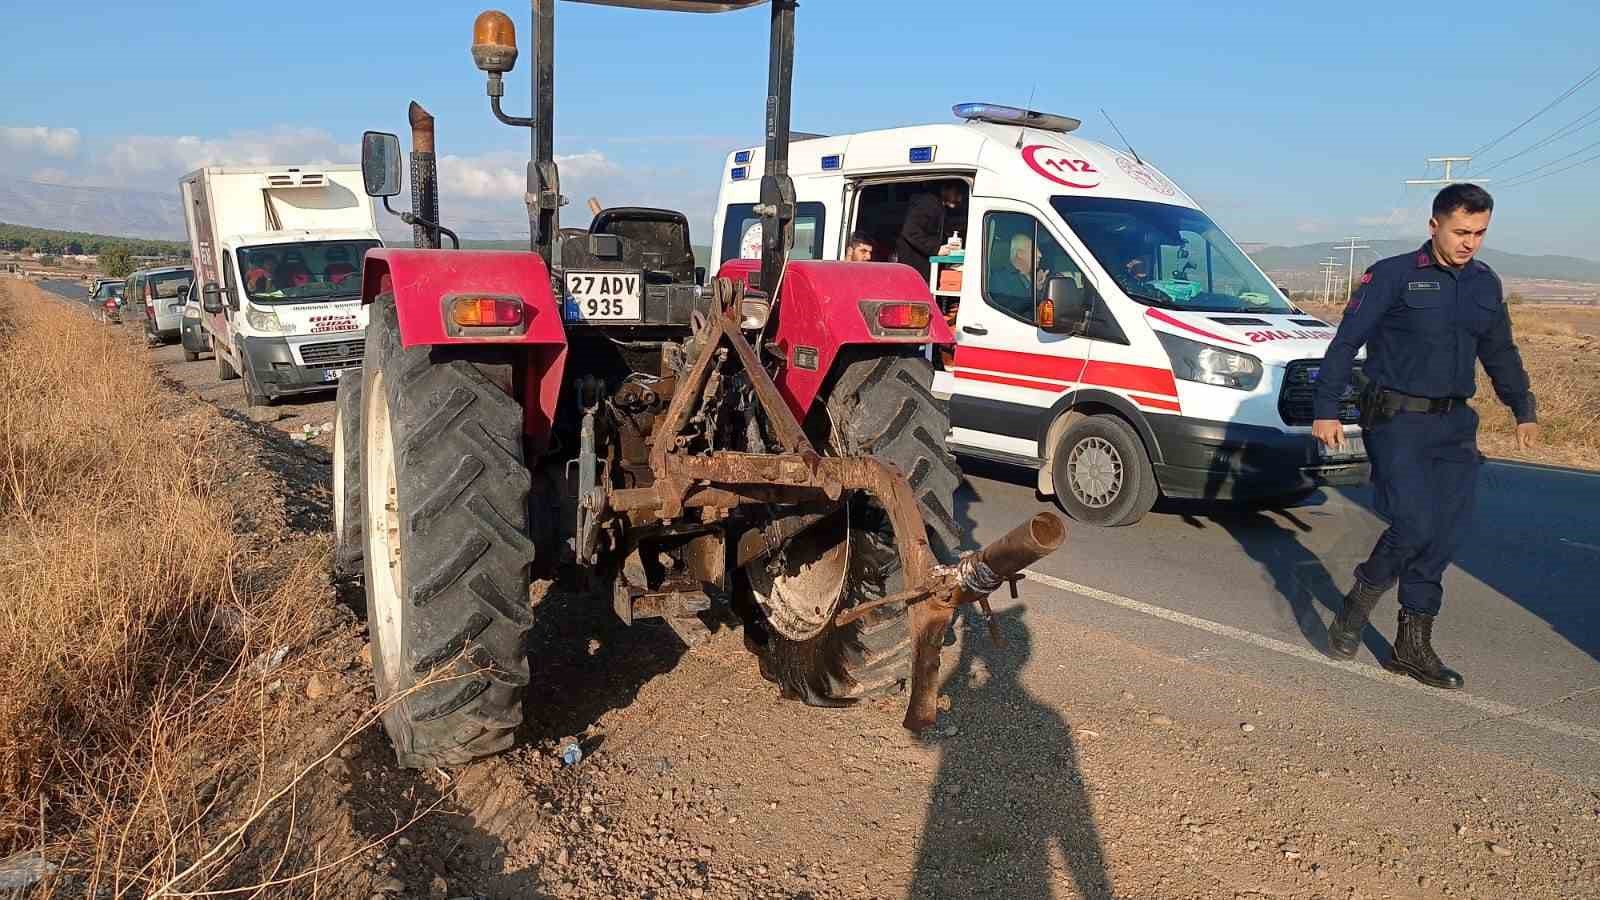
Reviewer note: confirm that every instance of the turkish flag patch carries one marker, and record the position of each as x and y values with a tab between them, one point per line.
1366	278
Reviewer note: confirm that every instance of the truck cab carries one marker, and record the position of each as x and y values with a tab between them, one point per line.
1108	333
278	252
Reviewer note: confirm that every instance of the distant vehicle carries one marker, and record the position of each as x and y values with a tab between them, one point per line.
105	302
161	291
195	339
278	252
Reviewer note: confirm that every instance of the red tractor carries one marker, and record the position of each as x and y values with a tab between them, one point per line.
764	446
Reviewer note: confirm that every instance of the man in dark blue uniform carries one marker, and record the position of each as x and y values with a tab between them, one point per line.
1426	318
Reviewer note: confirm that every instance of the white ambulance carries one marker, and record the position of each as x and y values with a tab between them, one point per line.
278	253
1109	334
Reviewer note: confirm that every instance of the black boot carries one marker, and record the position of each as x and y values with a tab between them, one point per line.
1414	656
1344	635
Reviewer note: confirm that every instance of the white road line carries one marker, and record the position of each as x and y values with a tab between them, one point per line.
1493	708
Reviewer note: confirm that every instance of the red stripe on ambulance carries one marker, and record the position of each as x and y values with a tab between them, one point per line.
1061	369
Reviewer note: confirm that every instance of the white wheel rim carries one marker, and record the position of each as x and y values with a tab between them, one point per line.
1096	472
338	474
382	535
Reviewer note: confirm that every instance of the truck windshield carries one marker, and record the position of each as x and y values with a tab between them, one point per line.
1169	256
297	273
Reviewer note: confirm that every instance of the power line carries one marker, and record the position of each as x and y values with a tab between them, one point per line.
1556	172
1593	74
1570	128
1560	159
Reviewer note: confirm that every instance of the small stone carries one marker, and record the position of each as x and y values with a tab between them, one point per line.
1252	844
404	842
1289	852
316	688
349	751
1423	881
1460	829
438	887
1246	727
1127	695
1318	870
391	885
1498	850
366	654
1187	821
562	857
1324	773
1159	719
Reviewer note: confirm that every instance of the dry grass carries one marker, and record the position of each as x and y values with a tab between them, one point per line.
1561	348
126	629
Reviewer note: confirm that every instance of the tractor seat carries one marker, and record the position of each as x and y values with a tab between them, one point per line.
655	240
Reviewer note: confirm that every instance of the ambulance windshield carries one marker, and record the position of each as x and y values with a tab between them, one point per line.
1170	256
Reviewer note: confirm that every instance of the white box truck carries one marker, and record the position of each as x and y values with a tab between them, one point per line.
278	253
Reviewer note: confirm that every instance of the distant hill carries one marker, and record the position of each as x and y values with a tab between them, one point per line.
110	211
1306	257
55	242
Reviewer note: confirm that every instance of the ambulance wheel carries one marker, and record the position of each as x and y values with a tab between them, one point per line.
225	372
253	394
1102	474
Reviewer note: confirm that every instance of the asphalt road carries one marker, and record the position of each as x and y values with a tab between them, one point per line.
1250	593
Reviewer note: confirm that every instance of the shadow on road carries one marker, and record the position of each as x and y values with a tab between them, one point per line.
1009	816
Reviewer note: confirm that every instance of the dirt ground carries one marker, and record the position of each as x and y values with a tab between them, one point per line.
1162	779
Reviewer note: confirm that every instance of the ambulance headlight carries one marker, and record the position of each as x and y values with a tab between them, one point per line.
1206	364
266	321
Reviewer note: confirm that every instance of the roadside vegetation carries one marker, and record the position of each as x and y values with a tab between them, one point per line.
133	623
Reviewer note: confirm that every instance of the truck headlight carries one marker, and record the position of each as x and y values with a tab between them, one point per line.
1206	364
266	321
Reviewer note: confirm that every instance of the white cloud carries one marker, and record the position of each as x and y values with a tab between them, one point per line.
50	176
57	142
1310	227
496	176
161	158
1394	218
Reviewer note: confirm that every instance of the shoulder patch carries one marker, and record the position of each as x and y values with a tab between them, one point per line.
1366	278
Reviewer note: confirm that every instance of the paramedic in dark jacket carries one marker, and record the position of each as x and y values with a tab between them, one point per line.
1426	319
923	234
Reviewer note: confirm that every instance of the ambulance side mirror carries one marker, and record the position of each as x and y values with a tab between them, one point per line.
1065	306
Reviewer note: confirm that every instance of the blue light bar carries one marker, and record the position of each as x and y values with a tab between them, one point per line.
1011	115
740	173
922	154
743	156
832	162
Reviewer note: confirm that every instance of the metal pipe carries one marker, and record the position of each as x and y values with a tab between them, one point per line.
777	189
544	188
424	178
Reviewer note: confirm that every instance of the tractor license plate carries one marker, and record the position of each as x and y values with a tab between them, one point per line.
603	297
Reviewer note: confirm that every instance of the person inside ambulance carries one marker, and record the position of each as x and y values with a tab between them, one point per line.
1018	274
929	223
859	249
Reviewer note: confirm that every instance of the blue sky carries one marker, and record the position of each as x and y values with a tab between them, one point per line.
1291	122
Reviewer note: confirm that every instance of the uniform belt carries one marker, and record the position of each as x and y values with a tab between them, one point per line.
1398	402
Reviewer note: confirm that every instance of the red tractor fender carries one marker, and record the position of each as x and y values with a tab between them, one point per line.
820	311
422	282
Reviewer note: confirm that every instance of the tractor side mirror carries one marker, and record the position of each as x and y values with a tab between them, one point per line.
1065	307
211	298
380	163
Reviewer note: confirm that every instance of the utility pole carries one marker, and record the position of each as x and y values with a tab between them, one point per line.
1350	277
1329	264
1447	161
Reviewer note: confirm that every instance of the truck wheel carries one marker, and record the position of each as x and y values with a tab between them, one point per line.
1102	474
880	405
444	493
347	544
225	371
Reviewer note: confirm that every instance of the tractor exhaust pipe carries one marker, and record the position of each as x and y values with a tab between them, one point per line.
424	178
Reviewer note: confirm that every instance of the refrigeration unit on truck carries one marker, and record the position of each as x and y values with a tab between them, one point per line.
1108	333
278	252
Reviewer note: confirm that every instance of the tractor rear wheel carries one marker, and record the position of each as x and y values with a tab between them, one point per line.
444	494
347	542
879	405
